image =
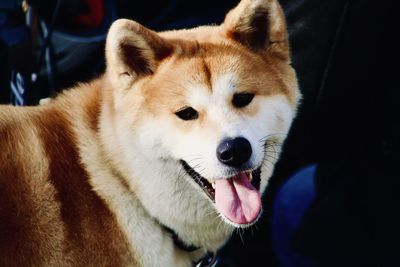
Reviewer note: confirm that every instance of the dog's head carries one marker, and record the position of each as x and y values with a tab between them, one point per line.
217	101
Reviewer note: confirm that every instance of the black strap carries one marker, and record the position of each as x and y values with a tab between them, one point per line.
209	260
178	242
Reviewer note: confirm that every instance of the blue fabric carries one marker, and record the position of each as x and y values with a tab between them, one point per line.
291	202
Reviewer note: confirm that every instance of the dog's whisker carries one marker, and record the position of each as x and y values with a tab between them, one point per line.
240	233
265	138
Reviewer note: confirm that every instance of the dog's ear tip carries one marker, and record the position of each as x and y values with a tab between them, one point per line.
123	24
121	29
133	48
257	24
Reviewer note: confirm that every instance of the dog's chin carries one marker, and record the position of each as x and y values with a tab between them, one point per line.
237	198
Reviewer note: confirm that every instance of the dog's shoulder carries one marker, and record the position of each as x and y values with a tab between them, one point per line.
47	204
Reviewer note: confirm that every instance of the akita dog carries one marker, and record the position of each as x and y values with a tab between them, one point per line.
159	160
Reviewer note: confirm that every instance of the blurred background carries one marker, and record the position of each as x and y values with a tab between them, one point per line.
345	53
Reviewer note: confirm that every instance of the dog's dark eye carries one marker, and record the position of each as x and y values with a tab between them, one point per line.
242	99
187	114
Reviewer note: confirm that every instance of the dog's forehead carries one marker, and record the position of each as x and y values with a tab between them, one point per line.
201	73
219	89
214	67
203	69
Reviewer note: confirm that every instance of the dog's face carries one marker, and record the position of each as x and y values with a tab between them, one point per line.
214	102
221	113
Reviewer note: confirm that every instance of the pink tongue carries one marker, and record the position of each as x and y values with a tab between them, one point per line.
237	199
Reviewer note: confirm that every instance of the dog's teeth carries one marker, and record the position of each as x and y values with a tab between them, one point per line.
250	176
213	185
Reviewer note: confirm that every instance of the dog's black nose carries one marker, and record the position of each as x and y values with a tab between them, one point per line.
234	152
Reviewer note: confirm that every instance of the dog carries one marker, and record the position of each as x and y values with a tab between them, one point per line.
157	161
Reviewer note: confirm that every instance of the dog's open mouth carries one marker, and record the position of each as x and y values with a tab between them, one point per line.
237	198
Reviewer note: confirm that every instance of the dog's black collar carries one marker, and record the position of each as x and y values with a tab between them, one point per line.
209	260
178	242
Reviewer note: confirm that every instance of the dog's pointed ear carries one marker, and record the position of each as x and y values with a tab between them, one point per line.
132	50
260	25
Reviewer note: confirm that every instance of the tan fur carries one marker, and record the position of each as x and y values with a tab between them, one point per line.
70	191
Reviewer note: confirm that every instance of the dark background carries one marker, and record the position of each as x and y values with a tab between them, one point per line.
346	56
